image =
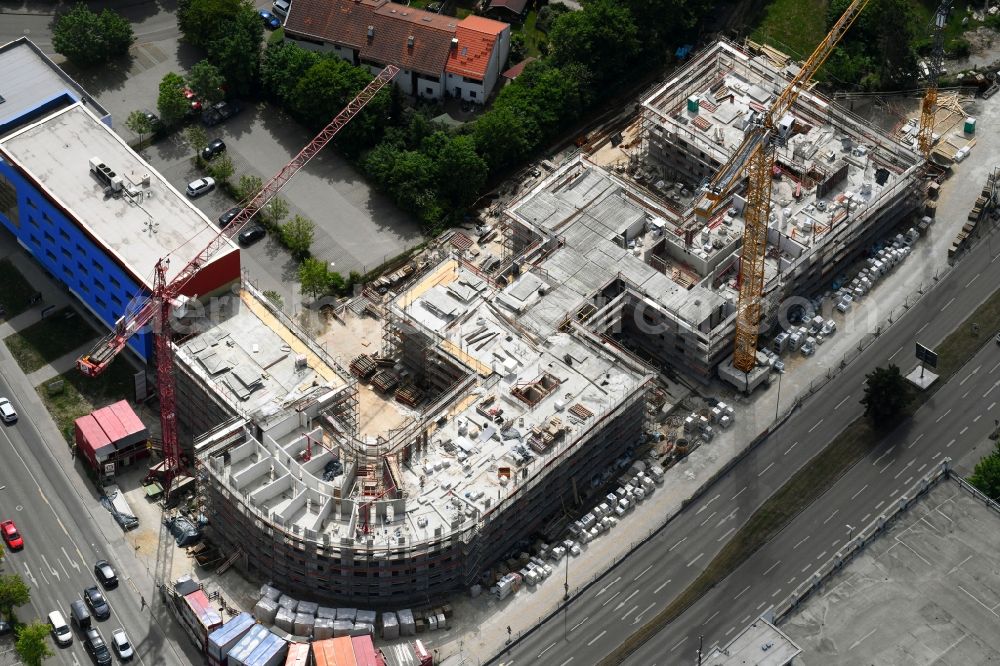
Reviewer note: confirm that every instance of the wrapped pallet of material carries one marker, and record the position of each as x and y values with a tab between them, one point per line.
304	623
349	614
288	603
326	613
365	617
307	607
363	629
265	610
323	628
407	624
390	627
342	628
442	620
285	620
271	593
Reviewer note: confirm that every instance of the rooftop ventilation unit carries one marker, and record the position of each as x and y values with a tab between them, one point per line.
105	175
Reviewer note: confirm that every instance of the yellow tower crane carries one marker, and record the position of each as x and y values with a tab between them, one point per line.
756	156
929	106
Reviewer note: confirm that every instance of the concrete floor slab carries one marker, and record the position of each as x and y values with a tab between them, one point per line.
924	593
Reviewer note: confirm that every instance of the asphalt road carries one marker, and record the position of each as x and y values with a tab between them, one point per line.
65	531
604	615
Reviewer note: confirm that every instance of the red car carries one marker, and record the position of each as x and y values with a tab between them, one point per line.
191	97
11	535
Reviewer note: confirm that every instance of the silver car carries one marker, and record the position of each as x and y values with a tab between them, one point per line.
196	188
121	644
7	411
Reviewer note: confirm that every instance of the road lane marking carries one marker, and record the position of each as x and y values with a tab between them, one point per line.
762	604
990	389
921	468
969	283
641	613
741	593
887	466
801	542
776	593
605	588
816	425
596	638
806	568
678	643
908	479
855	495
842	402
709	518
677	544
994	368
821	555
710	618
705	505
862	639
893	493
935	455
579	624
662	585
731	530
865	519
890	450
608	600
976	599
700	555
944	308
626	599
913	443
792	579
879	505
642	572
731	630
772	567
895	352
943	415
952	441
960	564
835	512
900	472
629	612
546	650
566	662
921	329
790	448
744	488
978	416
834	544
992	405
765	469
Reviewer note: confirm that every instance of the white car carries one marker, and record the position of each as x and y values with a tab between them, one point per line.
121	644
196	188
7	411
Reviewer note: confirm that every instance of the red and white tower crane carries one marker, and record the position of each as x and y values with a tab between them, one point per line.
156	307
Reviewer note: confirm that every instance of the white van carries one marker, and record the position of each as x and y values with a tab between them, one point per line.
61	632
281	7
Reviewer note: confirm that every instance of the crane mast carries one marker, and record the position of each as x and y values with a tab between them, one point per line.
929	107
156	307
757	155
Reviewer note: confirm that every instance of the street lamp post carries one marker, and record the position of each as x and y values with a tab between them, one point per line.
777	402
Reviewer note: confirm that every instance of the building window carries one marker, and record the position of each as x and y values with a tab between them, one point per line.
80	268
430	91
79	249
8	201
34	239
93	262
115	282
100	302
66	253
48	220
30	202
84	288
472	94
117	301
49	238
48	253
99	284
67	272
63	234
32	221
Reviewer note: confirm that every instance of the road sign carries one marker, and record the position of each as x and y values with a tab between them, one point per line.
927	356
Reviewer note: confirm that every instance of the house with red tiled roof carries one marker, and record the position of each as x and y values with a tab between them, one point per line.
438	55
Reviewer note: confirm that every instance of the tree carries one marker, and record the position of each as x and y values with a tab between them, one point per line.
501	138
297	235
196	137
221	168
281	67
32	645
518	47
88	39
275	211
139	123
171	103
275	298
249	186
986	475
314	277
587	37
236	48
325	88
886	395
201	20
878	51
461	172
206	81
13	592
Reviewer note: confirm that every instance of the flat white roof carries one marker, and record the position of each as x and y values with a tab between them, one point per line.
56	152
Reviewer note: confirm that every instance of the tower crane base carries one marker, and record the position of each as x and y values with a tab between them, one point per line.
744	381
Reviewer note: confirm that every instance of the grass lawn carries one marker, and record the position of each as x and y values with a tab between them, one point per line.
58	334
814	479
81	395
532	35
793	26
17	292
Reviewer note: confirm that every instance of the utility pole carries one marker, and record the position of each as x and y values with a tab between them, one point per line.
777	402
701	643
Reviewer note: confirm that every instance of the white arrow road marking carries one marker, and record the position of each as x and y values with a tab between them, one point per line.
71	561
31	576
51	569
605	588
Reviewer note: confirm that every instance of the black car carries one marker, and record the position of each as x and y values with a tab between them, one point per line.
220	112
211	150
96	647
98	605
105	574
154	121
228	216
251	234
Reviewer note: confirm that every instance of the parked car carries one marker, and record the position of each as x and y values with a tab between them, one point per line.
105	574
281	7
228	216
220	112
11	536
271	22
212	149
7	411
190	96
154	121
96	647
122	645
251	234
97	603
59	628
196	188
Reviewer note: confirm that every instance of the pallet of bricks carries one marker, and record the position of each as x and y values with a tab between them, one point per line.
409	395
433	619
363	366
982	205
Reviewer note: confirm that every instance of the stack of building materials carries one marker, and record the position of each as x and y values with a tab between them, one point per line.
304	624
407	625
385	381
298	654
409	395
334	652
307	607
270	651
364	651
342	628
222	640
390	626
363	366
326	613
200	616
245	646
348	614
285	620
323	628
266	610
288	603
270	592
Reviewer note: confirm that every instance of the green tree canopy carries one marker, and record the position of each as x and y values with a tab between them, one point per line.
314	277
139	123
602	37
986	475
32	645
13	592
281	67
878	51
297	235
171	103
88	39
236	48
201	21
502	138
206	81
249	186
886	395
461	172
